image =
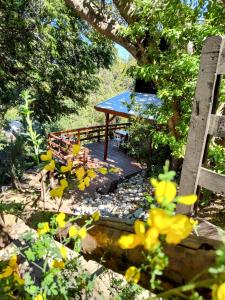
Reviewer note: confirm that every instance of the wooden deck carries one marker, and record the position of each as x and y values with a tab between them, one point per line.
102	183
116	158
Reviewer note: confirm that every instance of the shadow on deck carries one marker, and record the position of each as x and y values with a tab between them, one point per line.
127	165
105	183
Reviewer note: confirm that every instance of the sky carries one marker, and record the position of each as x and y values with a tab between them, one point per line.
123	53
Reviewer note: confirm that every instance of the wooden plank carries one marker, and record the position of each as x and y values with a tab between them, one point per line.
202	108
212	181
106	136
217	126
221	66
85	129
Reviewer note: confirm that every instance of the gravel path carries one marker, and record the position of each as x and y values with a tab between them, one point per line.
127	201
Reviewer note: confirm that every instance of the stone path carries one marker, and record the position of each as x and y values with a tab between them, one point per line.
127	201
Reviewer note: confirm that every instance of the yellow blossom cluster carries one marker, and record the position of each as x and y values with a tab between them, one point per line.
59	190
161	224
218	292
165	191
60	263
84	177
12	270
73	231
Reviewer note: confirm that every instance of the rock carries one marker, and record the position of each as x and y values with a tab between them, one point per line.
138	212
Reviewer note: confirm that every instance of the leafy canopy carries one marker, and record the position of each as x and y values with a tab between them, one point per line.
174	32
46	47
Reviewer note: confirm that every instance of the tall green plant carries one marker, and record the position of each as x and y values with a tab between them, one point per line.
33	138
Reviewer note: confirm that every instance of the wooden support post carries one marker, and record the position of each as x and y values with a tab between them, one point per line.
99	133
106	136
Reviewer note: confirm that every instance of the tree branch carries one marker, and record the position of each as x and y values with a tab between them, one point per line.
102	23
126	10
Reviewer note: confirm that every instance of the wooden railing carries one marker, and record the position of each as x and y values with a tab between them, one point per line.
61	142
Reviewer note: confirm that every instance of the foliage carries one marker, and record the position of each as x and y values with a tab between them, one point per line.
32	137
140	133
125	291
51	260
111	82
13	155
216	158
45	47
169	60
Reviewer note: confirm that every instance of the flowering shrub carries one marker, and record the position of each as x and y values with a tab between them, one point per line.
60	273
50	260
82	174
164	226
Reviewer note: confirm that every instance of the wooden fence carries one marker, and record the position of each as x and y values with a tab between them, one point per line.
205	123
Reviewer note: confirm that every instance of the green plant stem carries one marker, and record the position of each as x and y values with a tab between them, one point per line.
185	288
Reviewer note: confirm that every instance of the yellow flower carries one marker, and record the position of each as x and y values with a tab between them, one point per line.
39	297
43	228
18	279
47	156
164	190
13	262
96	216
132	274
76	149
60	219
151	238
187	200
131	241
193	222
139	227
63	252
64	183
91	173
103	171
180	229
50	166
80	172
87	181
159	219
59	264
82	233
7	271
114	170
73	231
57	192
221	292
67	168
81	186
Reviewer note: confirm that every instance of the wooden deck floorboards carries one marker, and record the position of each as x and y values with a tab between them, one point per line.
103	183
116	158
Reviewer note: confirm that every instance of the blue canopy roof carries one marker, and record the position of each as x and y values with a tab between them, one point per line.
119	105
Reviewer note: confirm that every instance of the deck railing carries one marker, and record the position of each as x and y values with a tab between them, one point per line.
61	142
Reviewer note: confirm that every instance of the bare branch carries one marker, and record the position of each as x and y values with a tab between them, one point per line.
102	22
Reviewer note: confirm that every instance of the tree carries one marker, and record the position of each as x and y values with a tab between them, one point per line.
107	17
167	37
46	47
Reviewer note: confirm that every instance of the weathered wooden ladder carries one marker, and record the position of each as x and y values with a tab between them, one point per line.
204	124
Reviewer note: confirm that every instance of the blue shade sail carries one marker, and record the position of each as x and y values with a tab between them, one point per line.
128	104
